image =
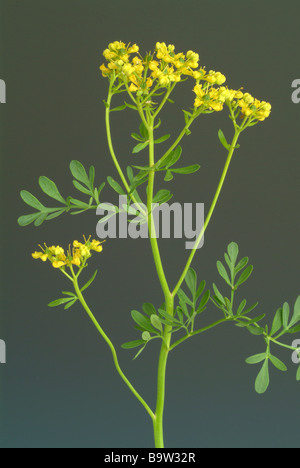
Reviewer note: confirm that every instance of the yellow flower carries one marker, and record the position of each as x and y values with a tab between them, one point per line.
128	69
132	88
133	49
80	253
41	255
58	264
215	77
251	107
209	98
105	71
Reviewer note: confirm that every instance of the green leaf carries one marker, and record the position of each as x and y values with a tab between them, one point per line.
92	176
137	137
131	106
223	139
140	351
285	315
295	329
146	336
187	170
41	218
156	322
256	358
298	375
250	308
250	322
233	251
241	307
78	171
169	176
78	203
81	188
162	139
132	344
172	158
277	363
149	309
257	331
296	314
223	273
277	322
71	303
101	188
50	189
142	321
120	108
242	263
168	317
203	302
183	298
68	293
191	281
244	276
27	219
162	196
89	281
140	147
115	186
157	125
58	302
56	214
144	131
32	201
218	294
263	379
200	289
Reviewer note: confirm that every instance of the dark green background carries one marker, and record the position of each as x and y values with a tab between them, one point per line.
59	387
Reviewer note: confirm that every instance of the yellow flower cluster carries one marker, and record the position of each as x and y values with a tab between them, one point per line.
118	56
164	66
250	106
172	66
168	68
80	253
214	99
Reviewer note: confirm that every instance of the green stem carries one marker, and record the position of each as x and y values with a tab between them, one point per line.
111	346
152	231
169	301
166	97
209	327
179	138
211	210
111	149
282	344
161	379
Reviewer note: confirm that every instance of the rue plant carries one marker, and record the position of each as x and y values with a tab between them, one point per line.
148	81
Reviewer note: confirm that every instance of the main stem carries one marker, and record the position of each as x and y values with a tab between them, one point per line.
169	302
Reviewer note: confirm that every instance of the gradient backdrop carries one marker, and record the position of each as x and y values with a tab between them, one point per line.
59	387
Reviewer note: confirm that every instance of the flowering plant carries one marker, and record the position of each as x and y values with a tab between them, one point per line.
148	81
